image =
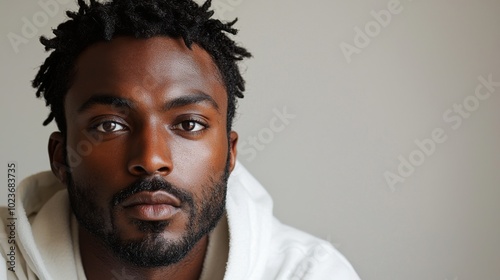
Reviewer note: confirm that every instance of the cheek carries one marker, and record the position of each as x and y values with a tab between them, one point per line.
96	165
92	160
196	163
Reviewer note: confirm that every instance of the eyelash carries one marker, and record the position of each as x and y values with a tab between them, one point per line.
95	126
194	120
176	126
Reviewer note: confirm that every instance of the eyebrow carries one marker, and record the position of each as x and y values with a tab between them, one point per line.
105	99
195	98
120	102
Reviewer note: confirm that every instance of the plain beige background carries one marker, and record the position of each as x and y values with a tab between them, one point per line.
348	124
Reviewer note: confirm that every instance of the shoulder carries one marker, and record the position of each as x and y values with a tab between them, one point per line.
299	255
277	251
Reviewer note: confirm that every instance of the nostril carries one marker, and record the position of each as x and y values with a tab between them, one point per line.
138	169
142	170
163	169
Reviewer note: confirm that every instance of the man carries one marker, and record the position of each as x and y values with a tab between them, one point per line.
144	94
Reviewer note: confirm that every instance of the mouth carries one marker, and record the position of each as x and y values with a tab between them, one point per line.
151	206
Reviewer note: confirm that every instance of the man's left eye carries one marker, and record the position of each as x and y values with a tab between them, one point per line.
192	126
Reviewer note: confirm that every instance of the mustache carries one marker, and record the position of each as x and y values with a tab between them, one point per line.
151	185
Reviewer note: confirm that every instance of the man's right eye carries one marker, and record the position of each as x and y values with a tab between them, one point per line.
109	126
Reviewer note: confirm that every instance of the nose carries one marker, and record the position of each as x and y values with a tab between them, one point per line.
149	152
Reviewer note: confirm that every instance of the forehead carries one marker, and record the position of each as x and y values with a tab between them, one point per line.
130	66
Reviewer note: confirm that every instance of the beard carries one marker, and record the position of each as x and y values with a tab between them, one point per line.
153	249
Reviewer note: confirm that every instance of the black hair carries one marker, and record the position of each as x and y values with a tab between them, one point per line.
96	22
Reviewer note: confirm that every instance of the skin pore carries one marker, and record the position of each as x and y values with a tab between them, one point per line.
154	180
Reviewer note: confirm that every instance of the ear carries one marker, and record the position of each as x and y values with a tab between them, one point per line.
56	156
233	141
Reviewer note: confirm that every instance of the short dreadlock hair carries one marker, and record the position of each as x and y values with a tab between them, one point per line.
95	22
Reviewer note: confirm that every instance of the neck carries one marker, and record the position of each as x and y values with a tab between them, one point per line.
99	263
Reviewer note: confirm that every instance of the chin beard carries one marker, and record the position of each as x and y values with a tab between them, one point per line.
153	250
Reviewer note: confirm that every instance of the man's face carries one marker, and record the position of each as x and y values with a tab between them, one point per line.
148	147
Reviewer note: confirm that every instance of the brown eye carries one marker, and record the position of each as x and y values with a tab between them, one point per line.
109	126
191	126
188	126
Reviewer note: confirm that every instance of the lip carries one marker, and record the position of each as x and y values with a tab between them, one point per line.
151	198
151	206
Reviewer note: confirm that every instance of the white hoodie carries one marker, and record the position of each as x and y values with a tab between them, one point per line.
249	243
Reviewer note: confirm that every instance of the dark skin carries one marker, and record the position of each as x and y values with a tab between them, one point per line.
170	121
